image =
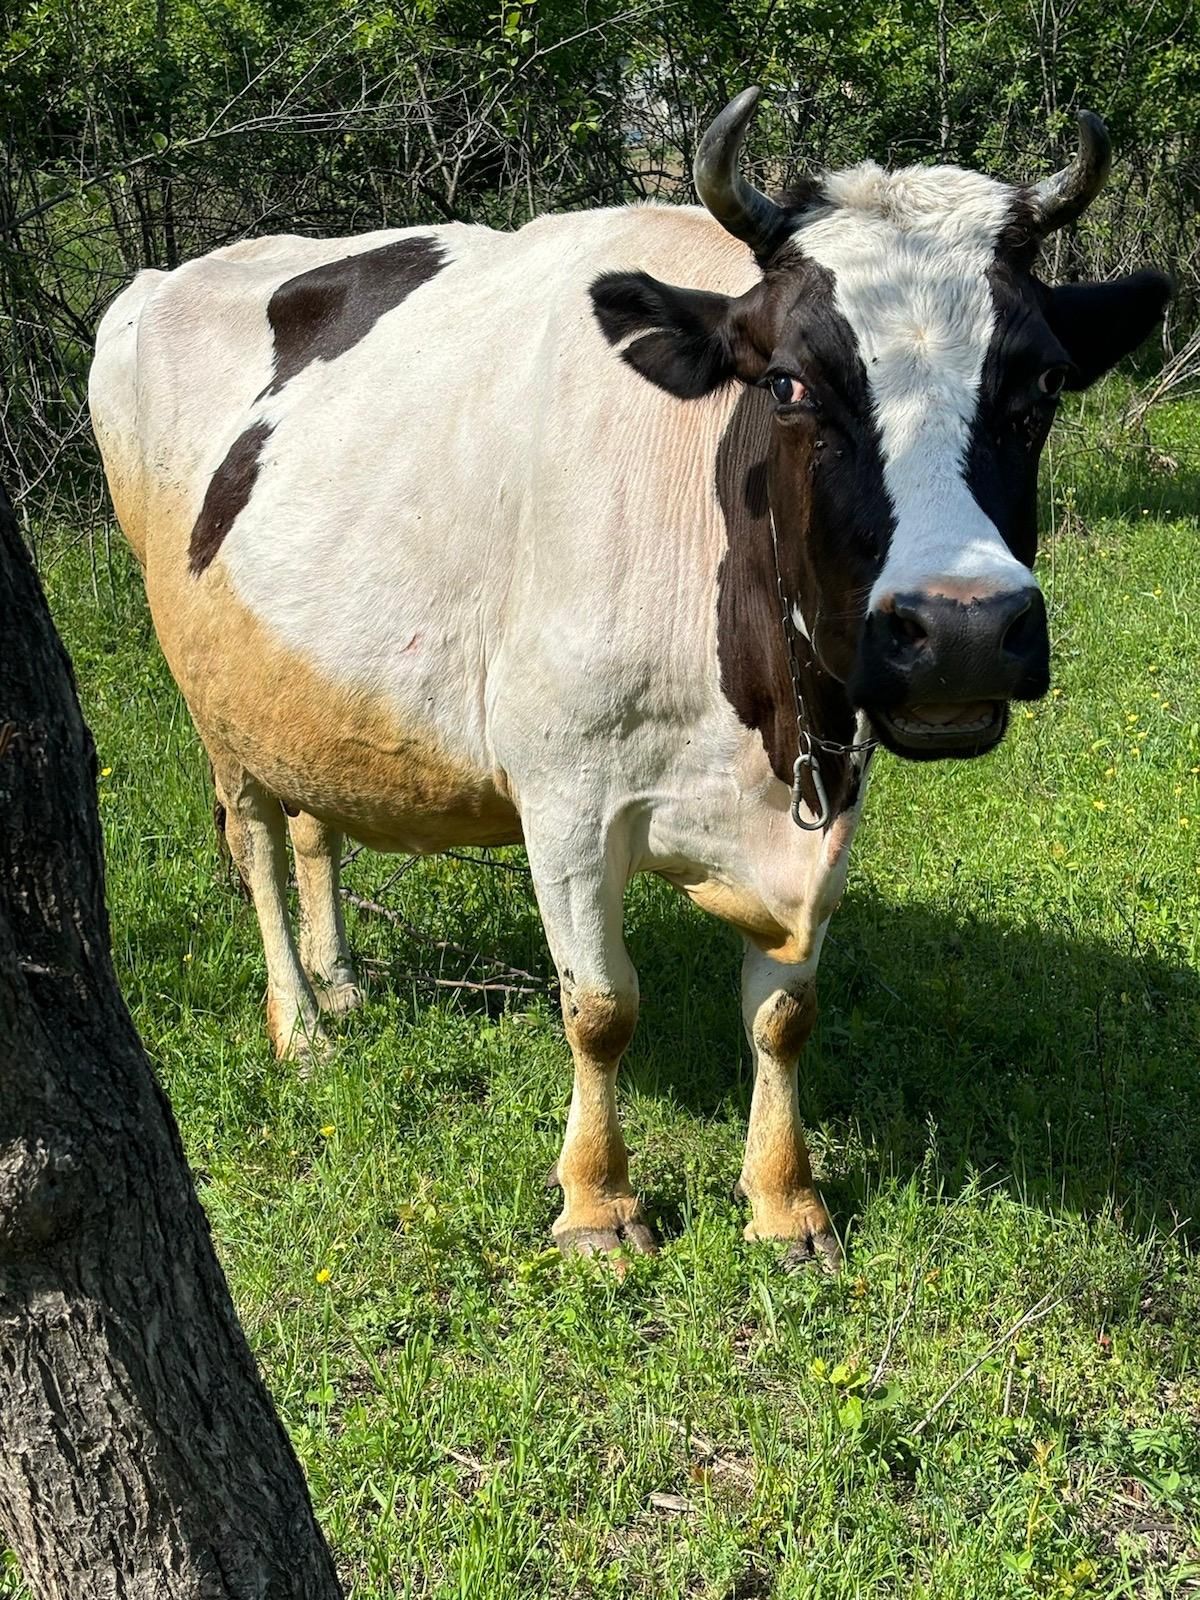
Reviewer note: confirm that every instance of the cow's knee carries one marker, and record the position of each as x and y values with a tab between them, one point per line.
783	1023
780	1009
599	1022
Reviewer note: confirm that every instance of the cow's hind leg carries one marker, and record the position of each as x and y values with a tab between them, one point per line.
324	951
581	910
254	827
779	1008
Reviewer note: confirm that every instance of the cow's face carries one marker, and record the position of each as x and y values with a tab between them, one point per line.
914	364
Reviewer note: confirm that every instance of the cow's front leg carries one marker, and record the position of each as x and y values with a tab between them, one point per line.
779	1007
582	913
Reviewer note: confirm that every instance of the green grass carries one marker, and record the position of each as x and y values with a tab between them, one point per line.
1004	1104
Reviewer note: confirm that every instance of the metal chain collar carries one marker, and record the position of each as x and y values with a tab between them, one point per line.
807	743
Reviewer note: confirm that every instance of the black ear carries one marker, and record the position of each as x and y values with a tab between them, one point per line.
1098	323
684	346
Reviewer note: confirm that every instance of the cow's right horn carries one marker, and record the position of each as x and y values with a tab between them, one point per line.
736	204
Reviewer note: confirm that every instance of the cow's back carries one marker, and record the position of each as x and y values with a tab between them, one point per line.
347	522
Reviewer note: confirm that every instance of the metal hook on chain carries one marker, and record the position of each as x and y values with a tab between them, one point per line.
807	758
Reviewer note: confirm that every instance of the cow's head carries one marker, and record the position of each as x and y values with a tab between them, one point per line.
915	363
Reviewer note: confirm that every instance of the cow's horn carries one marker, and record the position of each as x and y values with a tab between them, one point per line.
1068	193
736	204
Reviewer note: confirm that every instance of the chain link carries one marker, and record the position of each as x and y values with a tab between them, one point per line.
807	742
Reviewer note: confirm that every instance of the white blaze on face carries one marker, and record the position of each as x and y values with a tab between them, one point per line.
909	254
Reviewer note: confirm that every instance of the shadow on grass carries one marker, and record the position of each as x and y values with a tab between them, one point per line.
1056	1064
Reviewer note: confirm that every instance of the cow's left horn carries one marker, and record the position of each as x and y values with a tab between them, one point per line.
736	204
1068	193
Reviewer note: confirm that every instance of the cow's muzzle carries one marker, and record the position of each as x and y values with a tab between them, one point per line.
935	672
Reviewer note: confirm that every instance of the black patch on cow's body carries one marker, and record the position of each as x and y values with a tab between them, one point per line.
320	314
227	495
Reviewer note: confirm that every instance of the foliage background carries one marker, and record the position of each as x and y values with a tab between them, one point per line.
142	132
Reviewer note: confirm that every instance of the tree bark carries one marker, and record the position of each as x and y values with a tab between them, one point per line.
140	1454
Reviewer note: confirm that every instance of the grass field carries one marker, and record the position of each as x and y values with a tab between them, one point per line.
1000	1396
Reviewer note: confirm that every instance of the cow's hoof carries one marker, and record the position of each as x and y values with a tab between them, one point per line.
636	1237
337	998
604	1228
802	1225
815	1250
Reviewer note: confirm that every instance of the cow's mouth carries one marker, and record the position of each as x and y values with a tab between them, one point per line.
927	732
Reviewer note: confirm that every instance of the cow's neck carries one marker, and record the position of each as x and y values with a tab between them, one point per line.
751	642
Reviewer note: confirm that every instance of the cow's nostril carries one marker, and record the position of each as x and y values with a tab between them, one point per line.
907	626
1021	635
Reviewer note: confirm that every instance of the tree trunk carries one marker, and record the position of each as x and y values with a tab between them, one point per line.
140	1454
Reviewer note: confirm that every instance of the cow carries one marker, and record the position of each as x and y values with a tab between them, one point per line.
628	536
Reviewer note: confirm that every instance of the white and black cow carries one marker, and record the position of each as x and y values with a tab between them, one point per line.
455	536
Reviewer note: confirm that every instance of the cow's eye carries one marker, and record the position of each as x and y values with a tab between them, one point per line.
1052	380
788	391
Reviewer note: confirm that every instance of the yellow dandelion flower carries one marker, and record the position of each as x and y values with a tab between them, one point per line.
328	1131
1152	667
1131	716
1110	772
106	772
324	1275
187	955
1185	822
1099	805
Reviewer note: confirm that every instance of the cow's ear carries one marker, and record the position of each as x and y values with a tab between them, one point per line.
683	340
1098	323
